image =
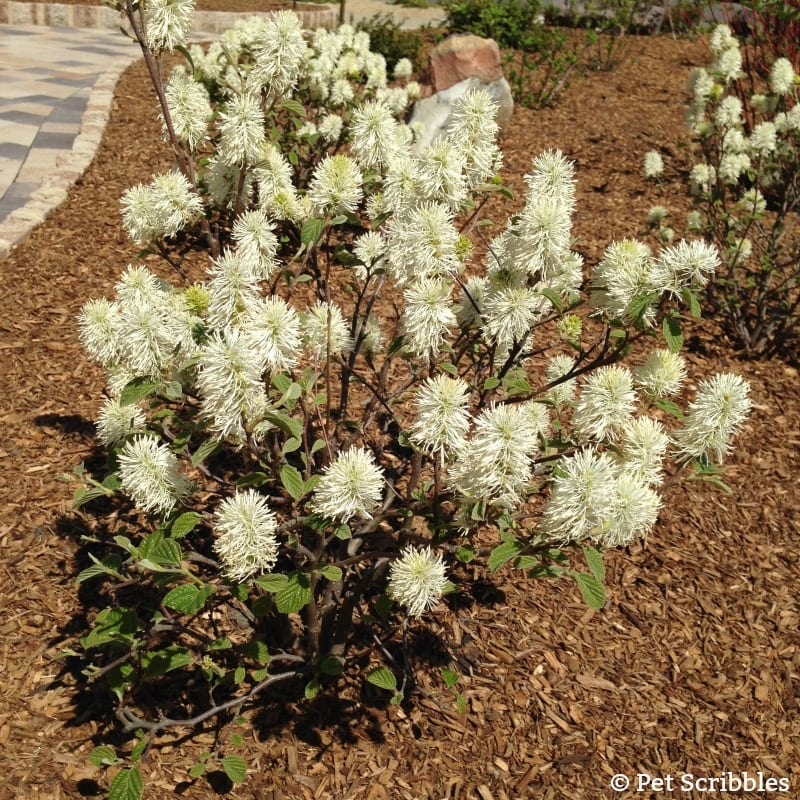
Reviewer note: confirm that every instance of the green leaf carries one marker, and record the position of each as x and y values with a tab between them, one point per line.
465	553
223	643
197	770
450	369
281	381
83	496
239	674
128	785
235	768
491	383
672	334
332	665
292	481
671	408
162	552
311	231
343	532
290	445
273	582
137	390
257	650
331	572
690	298
160	662
292	427
139	747
112	625
461	703
184	524
108	565
207	448
383	678
298	108
313	688
594	560
640	304
253	480
103	756
593	592
295	595
450	677
503	553
553	297
187	598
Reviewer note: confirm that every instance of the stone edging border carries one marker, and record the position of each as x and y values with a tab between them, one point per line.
16	227
14	12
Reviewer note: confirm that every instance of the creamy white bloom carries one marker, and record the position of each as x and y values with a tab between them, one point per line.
241	130
330	128
563	392
417	580
441	166
403	68
402	185
98	327
661	374
716	414
374	135
653	164
233	284
145	343
442	421
280	54
510	313
782	77
643	443
728	65
272	329
370	249
149	475
764	138
246	541
605	404
473	130
116	422
335	186
325	332
631	513
428	316
579	496
167	23
687	265
350	486
722	40
702	177
729	112
189	107
255	242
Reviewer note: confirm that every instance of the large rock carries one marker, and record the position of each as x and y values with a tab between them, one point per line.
435	112
464	56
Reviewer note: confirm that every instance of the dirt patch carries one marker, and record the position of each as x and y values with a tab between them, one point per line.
692	666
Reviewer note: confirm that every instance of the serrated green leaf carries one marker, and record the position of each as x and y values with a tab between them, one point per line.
103	756
465	553
290	445
83	496
108	565
197	771
207	448
160	662
491	383
253	480
672	334
294	107
311	231
128	785
239	674
235	768
137	390
450	676
593	592
281	381
331	572
640	304
671	408
292	427
223	643
184	524
139	747
450	369
161	551
187	598
502	554
383	678
690	298
343	532
295	595
257	650
594	560
112	625
236	740
292	481
332	665
272	583
553	297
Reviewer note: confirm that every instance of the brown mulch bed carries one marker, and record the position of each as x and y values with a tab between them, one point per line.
692	667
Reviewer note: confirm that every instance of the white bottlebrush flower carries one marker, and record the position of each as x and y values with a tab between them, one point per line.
728	65
540	237
428	316
473	130
255	241
643	443
563	392
729	112
189	107
732	166
687	265
247	541
373	135
279	55
233	284
782	77
722	39
579	496
116	422
168	23
701	85
335	186
272	329
149	474
98	326
341	93
370	249
631	512
605	404
350	486
145	340
552	175
330	128
241	130
325	333
470	305
229	382
702	177
402	186
717	413
764	138
441	165
403	68
510	313
653	164
626	272
442	421
661	374
422	243
417	580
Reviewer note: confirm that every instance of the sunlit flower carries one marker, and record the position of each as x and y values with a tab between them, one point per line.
98	325
417	580
661	374
782	77
605	403
428	316
373	132
247	539
116	422
241	130
653	164
189	107
403	68
563	392
168	23
280	53
149	474
643	443
442	421
325	333
351	486
631	512
335	186
255	241
272	329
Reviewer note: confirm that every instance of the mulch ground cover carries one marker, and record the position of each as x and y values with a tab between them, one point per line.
692	667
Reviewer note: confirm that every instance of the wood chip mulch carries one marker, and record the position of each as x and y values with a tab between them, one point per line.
693	666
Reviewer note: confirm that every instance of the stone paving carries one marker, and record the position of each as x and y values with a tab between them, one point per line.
56	88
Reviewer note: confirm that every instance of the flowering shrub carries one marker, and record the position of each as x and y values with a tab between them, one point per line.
747	193
354	402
